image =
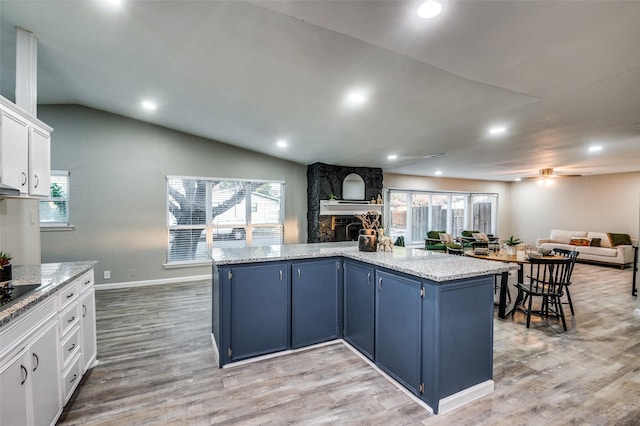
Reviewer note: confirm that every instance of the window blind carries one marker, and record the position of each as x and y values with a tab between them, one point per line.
54	211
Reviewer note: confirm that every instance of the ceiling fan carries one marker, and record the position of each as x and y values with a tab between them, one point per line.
546	175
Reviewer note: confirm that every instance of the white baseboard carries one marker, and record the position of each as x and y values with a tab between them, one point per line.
130	284
465	396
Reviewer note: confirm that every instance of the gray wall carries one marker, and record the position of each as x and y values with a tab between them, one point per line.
118	189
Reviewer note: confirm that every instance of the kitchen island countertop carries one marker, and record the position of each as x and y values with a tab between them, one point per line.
431	265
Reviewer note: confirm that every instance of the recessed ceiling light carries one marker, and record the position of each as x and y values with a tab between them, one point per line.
438	173
429	9
518	179
392	157
356	98
497	130
149	106
114	2
282	143
595	148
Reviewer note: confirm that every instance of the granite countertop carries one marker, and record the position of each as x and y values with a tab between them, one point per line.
51	276
421	263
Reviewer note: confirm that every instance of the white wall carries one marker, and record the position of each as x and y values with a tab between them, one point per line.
20	230
605	203
118	189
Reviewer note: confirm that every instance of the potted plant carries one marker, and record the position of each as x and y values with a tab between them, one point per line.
5	266
511	244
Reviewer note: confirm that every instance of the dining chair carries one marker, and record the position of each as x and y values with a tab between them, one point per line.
546	280
573	255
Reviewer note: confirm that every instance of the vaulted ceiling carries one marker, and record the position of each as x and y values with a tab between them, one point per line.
559	76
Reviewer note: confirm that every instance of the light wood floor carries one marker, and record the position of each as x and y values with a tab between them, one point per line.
156	367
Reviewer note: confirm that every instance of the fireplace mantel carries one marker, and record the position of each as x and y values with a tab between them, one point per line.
344	208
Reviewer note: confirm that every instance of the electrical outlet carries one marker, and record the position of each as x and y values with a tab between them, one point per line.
107	275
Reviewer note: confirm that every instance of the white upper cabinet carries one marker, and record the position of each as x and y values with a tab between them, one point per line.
25	151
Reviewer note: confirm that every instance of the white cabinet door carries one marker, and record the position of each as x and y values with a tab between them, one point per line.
39	162
14	151
47	402
14	389
88	324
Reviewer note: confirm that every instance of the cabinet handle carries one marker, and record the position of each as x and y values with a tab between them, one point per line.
37	181
368	277
37	361
380	283
69	296
73	379
72	347
84	311
280	274
24	370
71	320
87	282
298	273
24	178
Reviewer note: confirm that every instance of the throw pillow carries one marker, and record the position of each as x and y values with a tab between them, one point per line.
446	238
595	242
619	239
580	241
481	236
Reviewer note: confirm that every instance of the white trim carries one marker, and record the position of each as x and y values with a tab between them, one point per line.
131	284
465	396
279	354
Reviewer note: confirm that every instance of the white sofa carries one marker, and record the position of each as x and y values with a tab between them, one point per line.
620	255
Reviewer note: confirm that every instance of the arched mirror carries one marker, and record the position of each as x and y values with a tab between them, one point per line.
353	187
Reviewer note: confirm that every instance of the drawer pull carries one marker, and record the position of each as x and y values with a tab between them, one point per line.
72	319
87	282
24	370
73	379
84	310
36	360
72	347
69	296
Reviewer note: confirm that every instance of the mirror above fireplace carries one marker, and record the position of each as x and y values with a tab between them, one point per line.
353	187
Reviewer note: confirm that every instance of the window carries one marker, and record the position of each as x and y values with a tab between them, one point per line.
204	213
54	211
412	214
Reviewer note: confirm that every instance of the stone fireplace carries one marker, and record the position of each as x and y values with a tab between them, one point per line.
323	180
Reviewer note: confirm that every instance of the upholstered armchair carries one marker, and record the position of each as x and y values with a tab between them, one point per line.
439	241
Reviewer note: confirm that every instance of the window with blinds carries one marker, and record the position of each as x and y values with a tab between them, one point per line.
203	213
54	211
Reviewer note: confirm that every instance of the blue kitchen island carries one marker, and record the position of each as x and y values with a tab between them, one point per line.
424	318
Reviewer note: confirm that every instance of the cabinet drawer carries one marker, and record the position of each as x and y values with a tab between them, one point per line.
71	377
86	281
68	294
70	345
23	326
69	318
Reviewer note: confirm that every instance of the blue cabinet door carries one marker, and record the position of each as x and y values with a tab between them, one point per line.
359	306
260	314
315	293
398	328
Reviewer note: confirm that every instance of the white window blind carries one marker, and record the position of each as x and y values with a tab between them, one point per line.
54	211
203	213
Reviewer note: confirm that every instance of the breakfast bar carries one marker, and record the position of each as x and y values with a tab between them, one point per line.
424	318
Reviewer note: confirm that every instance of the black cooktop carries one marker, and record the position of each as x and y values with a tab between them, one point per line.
12	293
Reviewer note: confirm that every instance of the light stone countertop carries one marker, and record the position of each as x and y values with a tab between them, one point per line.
431	265
51	276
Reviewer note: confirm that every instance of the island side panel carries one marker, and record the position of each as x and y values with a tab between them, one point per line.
458	337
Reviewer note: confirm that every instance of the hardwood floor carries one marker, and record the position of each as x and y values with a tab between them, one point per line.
157	367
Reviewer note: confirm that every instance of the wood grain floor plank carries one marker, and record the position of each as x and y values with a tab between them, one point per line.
157	368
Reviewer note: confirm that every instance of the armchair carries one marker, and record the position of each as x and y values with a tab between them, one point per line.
467	238
434	242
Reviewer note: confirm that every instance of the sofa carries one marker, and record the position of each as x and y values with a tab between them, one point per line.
599	247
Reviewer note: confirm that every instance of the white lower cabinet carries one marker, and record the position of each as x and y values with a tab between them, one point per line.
30	386
44	353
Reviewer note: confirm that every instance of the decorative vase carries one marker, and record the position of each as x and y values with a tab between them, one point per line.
5	273
511	250
368	240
